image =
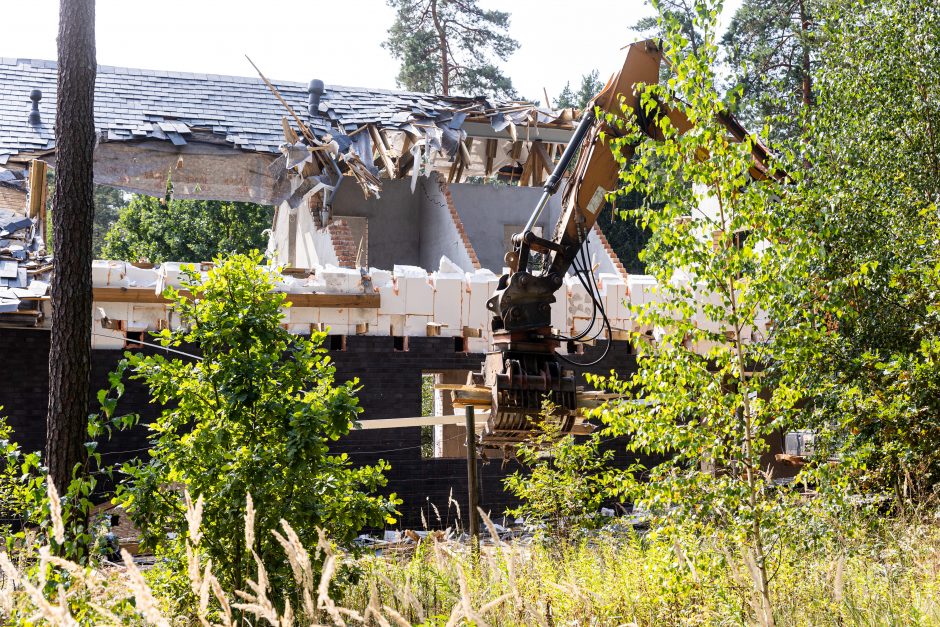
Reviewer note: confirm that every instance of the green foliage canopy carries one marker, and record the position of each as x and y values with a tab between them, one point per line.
771	47
870	194
108	205
564	487
254	415
724	254
451	47
185	230
590	86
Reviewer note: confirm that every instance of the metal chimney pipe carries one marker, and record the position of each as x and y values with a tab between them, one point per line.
315	89
34	118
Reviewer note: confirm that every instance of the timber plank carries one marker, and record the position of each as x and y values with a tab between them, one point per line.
143	295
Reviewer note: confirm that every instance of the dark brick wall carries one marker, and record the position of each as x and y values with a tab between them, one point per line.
391	387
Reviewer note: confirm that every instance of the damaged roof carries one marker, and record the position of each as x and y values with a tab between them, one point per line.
133	104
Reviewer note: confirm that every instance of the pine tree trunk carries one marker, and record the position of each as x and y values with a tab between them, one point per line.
804	61
72	223
442	43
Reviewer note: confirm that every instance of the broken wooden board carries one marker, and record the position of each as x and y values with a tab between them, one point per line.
144	295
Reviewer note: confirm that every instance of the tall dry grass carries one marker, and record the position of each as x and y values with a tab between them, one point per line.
889	575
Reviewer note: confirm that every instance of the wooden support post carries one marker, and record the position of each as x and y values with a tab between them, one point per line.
405	158
380	148
490	156
473	485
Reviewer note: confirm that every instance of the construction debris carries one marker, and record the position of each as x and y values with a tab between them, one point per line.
25	271
235	145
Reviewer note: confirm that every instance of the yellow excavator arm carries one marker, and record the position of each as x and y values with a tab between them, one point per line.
523	368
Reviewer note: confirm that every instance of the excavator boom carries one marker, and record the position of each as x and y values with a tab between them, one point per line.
523	368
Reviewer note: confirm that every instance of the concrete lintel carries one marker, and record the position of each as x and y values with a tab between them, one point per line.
545	133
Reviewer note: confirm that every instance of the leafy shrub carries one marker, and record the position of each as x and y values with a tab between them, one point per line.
564	487
255	414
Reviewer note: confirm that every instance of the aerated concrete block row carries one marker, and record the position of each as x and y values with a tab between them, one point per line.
413	302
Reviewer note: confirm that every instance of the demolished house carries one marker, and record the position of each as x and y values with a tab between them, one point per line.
393	212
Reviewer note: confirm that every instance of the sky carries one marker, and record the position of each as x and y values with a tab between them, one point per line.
338	42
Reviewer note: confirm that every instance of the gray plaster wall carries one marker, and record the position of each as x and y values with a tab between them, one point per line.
394	220
486	210
416	229
439	233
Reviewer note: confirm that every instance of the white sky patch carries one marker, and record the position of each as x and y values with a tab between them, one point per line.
337	42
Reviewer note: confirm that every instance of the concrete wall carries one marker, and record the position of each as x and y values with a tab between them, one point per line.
486	210
417	228
440	234
394	220
310	246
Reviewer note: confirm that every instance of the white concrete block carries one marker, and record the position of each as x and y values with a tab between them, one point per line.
363	316
337	329
171	274
108	273
392	299
614	289
615	301
580	304
107	339
302	315
465	305
287	284
477	345
409	271
380	278
704	319
396	325
642	289
560	311
298	329
416	326
482	287
334	316
579	324
419	295
447	266
146	317
114	311
341	280
140	277
448	302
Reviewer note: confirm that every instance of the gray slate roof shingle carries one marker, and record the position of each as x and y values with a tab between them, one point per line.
132	104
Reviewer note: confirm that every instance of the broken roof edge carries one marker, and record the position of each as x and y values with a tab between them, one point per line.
278	82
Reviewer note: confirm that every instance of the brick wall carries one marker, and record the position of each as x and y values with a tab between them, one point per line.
448	197
344	245
391	381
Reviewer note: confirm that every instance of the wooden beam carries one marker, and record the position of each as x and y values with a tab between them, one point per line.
419	421
383	153
351	301
544	159
37	190
130	295
142	295
405	159
490	156
552	134
528	169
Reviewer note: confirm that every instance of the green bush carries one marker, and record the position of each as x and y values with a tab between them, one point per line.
564	488
255	414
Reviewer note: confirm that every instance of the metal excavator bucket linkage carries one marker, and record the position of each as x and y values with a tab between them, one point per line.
523	369
522	375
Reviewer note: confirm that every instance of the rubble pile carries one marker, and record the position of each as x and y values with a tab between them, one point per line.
25	271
